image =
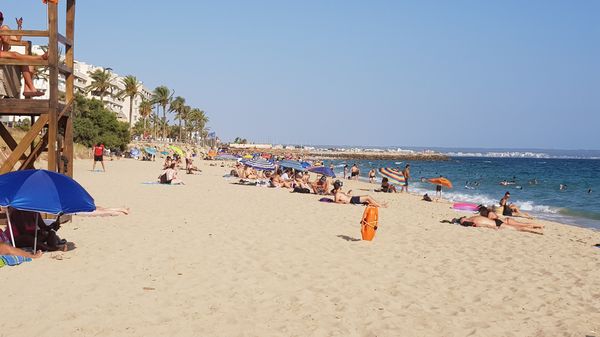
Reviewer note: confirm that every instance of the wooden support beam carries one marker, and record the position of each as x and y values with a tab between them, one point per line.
70	86
22	146
8	138
53	85
36	151
36	33
64	40
11	62
64	69
26	107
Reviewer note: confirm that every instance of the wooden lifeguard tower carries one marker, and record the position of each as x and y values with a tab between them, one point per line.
51	121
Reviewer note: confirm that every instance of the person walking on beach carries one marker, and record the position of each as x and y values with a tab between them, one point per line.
406	174
99	156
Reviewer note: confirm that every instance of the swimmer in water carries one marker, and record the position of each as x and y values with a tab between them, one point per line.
562	187
590	190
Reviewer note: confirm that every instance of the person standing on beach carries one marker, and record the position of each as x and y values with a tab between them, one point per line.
345	171
354	172
372	176
99	156
406	174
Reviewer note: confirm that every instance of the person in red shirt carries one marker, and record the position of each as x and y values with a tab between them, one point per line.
98	156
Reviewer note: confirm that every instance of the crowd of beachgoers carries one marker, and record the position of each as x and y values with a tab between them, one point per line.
500	216
303	177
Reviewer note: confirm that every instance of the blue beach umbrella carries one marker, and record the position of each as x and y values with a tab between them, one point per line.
43	191
150	150
326	171
259	164
292	165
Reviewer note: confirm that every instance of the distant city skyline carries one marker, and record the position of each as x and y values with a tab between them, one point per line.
447	74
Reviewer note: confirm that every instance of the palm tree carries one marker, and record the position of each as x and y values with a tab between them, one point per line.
197	120
162	96
131	90
177	106
183	115
101	83
145	109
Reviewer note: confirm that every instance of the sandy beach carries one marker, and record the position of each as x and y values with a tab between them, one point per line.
211	258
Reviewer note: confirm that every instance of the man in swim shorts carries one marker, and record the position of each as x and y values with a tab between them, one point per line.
406	174
354	172
347	198
99	156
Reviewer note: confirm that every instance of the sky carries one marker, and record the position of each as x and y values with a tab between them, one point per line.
505	74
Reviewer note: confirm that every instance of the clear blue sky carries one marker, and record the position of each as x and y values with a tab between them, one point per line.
422	73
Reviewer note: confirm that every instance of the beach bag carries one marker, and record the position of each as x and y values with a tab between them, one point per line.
301	190
368	224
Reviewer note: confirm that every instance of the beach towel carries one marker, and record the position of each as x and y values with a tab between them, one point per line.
158	183
2	264
11	260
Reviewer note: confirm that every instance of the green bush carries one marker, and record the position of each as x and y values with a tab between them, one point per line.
93	123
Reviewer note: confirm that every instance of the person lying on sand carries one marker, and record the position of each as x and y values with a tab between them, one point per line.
7	249
320	186
512	209
481	221
490	214
105	211
347	198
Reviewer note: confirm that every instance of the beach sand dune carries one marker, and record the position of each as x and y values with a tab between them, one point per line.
212	258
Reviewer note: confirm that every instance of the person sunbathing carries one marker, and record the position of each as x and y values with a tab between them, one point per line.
169	176
7	249
26	71
490	214
320	186
249	173
387	187
167	163
347	198
106	211
23	227
485	222
511	209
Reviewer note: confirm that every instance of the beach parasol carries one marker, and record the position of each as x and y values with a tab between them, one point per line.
259	164
292	165
177	150
326	171
43	191
440	181
150	150
134	152
392	174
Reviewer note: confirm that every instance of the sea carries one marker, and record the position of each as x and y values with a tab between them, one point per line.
562	186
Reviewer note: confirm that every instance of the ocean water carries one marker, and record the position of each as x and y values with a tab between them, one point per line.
476	179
